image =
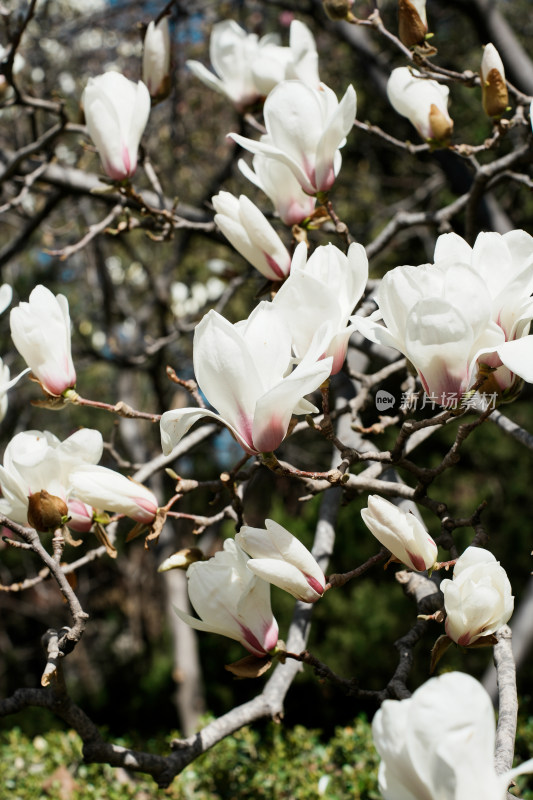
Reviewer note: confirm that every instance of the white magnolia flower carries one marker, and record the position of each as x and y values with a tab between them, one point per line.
244	372
156	59
40	330
493	86
233	52
479	600
277	181
116	112
424	102
401	533
231	600
323	289
472	309
505	265
37	460
252	235
108	490
305	129
247	68
439	743
280	558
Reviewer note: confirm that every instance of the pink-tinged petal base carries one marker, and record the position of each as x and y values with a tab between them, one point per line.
252	643
314	584
463	640
271	437
417	562
147	510
126	160
274	266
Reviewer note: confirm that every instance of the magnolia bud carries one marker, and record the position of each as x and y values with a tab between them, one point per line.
479	600
46	512
493	86
337	9
157	59
412	22
400	532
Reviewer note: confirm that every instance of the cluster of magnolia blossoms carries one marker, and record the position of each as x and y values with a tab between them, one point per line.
247	371
247	68
464	317
439	743
37	461
231	592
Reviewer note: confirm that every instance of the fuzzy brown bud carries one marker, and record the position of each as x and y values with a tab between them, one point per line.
46	512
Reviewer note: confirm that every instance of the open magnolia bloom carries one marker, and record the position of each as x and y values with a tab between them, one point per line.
323	289
108	490
37	460
505	265
244	371
470	310
248	68
479	600
400	532
281	559
40	330
116	111
424	102
276	180
305	129
252	235
439	743
231	600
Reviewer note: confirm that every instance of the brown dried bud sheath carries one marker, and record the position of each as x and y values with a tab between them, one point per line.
46	512
412	28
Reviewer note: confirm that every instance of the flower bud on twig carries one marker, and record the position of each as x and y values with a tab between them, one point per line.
493	86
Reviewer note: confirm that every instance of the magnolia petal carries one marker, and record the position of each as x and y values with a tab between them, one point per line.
225	371
451	247
174	425
268	149
335	134
274	409
268	338
518	357
285	576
